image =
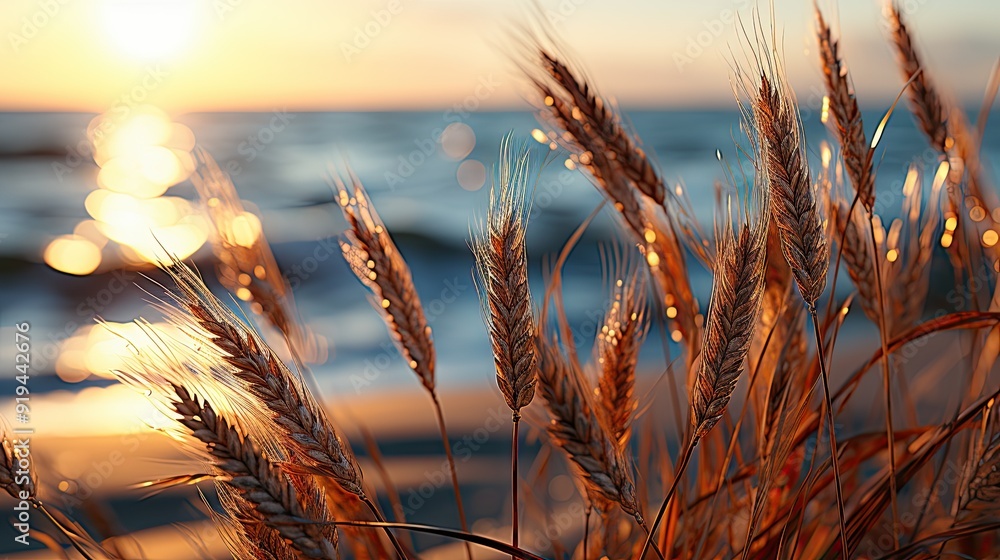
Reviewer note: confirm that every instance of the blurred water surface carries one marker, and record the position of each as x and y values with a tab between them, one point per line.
415	186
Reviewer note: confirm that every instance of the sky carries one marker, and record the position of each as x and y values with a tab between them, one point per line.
209	55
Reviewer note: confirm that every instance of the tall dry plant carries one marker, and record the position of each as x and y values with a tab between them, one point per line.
246	265
184	384
617	346
376	261
502	266
737	293
579	429
948	132
846	115
252	365
794	210
586	124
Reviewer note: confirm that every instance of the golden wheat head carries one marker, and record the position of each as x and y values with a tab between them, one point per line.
502	265
378	264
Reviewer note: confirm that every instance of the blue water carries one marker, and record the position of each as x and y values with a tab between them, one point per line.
428	213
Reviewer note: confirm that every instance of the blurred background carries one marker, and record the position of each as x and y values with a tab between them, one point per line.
104	101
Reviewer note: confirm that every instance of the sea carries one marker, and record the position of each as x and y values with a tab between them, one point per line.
414	182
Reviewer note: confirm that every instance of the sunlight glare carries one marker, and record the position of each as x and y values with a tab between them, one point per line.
150	29
73	254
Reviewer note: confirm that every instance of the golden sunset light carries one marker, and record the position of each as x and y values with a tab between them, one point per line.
479	280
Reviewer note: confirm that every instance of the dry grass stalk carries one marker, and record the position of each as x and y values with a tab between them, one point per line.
502	265
279	500
737	292
925	102
302	421
373	257
577	428
246	537
246	266
592	131
378	264
846	115
793	204
618	343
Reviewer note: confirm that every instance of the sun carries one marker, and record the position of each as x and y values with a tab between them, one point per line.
150	29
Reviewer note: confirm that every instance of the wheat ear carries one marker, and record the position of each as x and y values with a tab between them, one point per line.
246	537
246	265
593	132
925	103
293	409
303	421
502	265
376	261
737	293
618	343
286	506
846	115
183	383
803	238
578	429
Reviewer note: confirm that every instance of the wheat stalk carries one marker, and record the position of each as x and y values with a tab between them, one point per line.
183	383
502	265
856	253
925	103
606	129
279	501
373	257
303	421
846	115
290	406
246	265
378	264
803	238
618	343
793	205
593	132
577	428
737	292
